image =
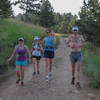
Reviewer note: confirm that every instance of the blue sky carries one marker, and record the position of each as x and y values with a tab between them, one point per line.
61	6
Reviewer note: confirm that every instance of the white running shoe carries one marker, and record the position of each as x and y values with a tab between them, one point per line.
47	78
50	75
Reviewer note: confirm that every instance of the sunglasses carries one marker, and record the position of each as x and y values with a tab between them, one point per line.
75	30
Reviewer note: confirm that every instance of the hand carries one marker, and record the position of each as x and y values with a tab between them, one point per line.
53	34
68	45
41	42
80	46
73	46
38	49
8	60
29	60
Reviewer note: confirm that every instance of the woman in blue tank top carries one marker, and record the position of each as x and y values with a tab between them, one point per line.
49	53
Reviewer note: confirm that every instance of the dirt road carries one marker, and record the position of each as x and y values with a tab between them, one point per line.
59	88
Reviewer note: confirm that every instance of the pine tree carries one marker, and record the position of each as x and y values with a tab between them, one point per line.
5	8
30	7
90	20
46	14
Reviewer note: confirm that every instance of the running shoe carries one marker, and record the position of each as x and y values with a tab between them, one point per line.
34	73
78	85
17	82
50	75
73	81
47	78
22	83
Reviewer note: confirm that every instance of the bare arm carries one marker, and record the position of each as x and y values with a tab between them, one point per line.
32	48
41	48
82	42
44	40
13	54
28	51
82	39
68	41
54	40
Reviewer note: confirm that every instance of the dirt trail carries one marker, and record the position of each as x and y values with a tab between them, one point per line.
59	88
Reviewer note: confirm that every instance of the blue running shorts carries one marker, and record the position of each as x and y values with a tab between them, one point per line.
75	57
21	63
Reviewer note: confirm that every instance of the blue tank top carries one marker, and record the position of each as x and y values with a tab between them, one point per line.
49	45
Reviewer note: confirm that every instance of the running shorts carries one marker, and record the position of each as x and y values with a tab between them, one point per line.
75	57
49	54
21	63
37	57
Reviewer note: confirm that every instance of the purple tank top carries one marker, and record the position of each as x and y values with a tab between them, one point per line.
21	54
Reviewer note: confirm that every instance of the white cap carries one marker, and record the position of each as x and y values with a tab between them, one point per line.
36	38
21	39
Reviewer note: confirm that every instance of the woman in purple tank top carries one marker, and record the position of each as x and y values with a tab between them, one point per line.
21	59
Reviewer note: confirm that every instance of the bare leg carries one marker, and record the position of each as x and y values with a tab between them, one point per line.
46	66
22	73
73	74
18	72
50	65
73	70
34	62
38	65
78	71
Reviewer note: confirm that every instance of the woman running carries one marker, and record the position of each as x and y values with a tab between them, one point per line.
36	55
49	53
21	59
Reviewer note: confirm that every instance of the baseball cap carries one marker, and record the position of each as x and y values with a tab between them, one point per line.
75	28
21	39
36	38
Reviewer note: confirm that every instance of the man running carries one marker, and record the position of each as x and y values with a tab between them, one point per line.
49	52
75	42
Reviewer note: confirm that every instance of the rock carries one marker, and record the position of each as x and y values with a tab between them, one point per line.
91	95
0	98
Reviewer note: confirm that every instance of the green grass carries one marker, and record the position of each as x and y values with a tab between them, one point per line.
91	65
10	31
57	42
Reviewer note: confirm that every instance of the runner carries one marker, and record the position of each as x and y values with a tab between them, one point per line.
49	53
21	59
36	54
75	42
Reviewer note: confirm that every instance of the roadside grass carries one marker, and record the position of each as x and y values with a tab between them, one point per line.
57	42
10	31
91	65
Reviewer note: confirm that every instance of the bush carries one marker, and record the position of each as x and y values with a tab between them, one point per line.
91	63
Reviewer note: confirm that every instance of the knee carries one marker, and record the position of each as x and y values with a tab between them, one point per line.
34	62
22	71
78	69
17	71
